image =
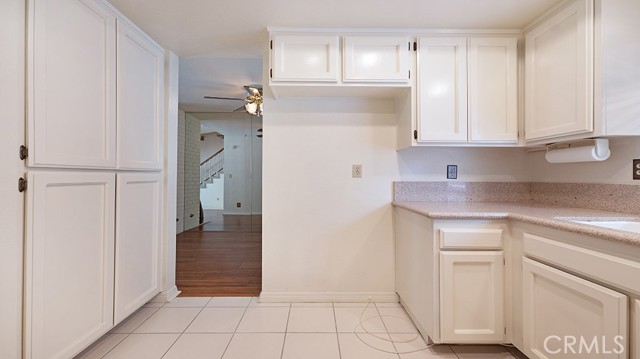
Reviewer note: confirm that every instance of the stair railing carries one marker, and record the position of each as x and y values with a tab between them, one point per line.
211	167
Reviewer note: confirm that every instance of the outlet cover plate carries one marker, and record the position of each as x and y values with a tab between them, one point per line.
356	171
452	172
636	169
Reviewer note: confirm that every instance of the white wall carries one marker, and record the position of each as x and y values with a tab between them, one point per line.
180	172
324	231
12	88
616	170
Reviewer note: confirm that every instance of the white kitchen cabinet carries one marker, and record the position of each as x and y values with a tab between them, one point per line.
137	258
559	73
71	86
376	58
493	89
556	303
442	89
417	278
472	297
306	58
69	256
140	100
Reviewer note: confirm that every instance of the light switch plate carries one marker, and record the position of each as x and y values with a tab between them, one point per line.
636	169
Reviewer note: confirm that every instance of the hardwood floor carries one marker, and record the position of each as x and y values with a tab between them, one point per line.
227	262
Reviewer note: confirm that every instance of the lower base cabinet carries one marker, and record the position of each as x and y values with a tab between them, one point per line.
472	297
567	316
69	256
137	266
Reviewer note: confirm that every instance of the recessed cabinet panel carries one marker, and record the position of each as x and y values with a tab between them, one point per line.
140	100
305	58
376	58
71	88
471	297
137	271
442	89
559	74
69	258
493	89
559	304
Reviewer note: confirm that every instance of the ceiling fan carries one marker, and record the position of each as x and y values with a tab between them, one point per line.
253	100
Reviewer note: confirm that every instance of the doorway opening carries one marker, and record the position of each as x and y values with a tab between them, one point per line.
219	244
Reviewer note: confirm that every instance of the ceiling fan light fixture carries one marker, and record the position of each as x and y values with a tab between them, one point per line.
252	108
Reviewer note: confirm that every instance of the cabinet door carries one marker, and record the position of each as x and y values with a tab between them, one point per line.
557	304
68	262
71	84
471	297
376	58
137	272
140	100
559	74
305	58
493	89
442	89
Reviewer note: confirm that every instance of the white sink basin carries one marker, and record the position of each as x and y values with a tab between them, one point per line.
629	226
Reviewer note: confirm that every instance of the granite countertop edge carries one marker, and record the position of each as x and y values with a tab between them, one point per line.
539	214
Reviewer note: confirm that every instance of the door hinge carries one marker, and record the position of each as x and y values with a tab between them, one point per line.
24	152
409	74
415	46
409	45
505	330
271	73
22	184
271	44
415	134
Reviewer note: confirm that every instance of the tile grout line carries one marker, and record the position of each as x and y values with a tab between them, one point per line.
185	328
132	330
393	344
237	326
335	322
286	329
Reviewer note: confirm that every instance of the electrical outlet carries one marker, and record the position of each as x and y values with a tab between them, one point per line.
238	204
636	169
452	172
356	171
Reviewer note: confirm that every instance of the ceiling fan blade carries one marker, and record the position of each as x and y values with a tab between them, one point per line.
241	108
224	98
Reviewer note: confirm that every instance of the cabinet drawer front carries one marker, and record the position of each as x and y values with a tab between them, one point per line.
470	238
618	272
376	58
557	304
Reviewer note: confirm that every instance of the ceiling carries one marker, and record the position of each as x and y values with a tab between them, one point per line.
221	43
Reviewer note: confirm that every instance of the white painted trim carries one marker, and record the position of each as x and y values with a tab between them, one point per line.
323	297
387	31
166	296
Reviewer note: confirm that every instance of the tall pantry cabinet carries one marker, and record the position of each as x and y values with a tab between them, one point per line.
94	198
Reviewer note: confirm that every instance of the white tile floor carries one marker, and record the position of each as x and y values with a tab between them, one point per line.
243	328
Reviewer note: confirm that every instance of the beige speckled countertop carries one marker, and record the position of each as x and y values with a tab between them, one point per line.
540	214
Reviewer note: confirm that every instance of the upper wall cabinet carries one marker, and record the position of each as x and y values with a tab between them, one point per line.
140	100
442	89
581	72
559	74
305	58
71	84
467	90
376	58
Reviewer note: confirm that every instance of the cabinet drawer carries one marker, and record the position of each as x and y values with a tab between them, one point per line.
451	238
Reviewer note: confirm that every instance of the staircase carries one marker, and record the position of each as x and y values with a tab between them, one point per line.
211	168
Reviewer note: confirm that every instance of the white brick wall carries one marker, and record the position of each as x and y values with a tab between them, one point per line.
180	172
191	173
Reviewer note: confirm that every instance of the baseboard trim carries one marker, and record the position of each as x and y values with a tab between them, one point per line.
323	297
166	296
